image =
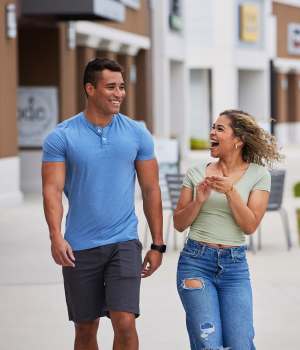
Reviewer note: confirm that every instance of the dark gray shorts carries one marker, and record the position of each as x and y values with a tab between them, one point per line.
104	279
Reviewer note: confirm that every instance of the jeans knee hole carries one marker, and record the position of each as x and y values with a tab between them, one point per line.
206	329
193	283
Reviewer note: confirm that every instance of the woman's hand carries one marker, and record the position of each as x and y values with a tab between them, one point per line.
203	191
220	184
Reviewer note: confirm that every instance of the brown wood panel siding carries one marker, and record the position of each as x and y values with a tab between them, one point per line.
8	86
143	99
281	100
38	56
107	54
285	14
293	97
67	76
128	105
84	55
136	21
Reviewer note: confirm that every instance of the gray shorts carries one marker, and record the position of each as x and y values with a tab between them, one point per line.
105	278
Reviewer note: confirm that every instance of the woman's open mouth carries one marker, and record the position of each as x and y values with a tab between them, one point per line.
214	143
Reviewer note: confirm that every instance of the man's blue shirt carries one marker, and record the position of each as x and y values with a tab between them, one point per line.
100	177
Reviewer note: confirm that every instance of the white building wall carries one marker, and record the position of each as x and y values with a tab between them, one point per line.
287	133
30	166
218	47
253	93
213	48
199	103
169	76
176	98
210	40
10	181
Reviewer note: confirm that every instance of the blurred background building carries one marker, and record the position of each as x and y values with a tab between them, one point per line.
185	61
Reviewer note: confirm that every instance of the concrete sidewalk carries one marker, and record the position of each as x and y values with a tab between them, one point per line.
33	314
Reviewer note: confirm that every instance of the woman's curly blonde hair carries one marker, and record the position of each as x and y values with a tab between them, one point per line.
259	147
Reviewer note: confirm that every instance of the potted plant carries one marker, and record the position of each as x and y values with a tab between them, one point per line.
199	144
297	194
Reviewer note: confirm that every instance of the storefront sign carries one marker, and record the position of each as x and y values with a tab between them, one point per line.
294	38
37	114
249	23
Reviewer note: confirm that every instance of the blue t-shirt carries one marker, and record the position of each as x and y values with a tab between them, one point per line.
100	177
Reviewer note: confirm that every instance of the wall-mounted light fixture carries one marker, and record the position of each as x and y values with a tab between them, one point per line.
11	21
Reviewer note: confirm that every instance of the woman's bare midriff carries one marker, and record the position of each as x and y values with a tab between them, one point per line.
219	246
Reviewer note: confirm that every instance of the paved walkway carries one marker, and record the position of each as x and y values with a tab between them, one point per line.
33	312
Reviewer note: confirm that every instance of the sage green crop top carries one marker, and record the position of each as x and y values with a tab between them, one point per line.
215	222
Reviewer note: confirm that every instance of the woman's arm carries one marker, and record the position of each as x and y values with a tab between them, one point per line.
247	216
188	207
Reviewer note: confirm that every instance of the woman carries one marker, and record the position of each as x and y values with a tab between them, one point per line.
222	202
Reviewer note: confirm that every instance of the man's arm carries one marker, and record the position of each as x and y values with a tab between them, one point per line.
53	177
147	173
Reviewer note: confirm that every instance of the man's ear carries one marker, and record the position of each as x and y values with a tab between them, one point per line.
90	89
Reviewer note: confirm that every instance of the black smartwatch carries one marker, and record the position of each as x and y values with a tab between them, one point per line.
160	248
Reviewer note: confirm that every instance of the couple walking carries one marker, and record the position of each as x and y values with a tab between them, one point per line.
94	158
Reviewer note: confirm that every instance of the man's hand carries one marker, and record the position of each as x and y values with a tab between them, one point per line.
152	261
62	252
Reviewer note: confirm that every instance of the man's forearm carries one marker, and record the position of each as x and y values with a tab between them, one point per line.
153	212
53	210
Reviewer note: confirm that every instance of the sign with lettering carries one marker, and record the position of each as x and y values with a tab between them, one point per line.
249	23
294	38
37	114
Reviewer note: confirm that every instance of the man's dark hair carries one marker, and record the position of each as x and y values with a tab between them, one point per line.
96	66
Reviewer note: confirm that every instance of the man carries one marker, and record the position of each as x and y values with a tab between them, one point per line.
93	157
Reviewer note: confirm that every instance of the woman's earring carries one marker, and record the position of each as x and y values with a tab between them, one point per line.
236	146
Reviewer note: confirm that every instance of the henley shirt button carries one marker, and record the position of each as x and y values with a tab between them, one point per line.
104	138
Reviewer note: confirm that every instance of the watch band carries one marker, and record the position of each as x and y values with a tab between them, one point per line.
160	248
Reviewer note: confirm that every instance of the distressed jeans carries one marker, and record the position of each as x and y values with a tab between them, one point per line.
215	290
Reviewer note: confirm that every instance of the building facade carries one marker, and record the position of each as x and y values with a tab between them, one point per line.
169	70
228	57
44	47
219	59
286	72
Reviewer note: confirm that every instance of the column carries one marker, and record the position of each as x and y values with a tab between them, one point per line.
84	55
143	88
67	74
9	160
107	54
281	107
8	89
294	106
128	64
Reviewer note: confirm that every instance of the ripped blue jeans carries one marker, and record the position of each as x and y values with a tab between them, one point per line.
215	290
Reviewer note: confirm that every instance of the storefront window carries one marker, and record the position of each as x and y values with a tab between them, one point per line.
175	15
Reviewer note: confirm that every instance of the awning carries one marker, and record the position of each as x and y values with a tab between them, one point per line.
75	9
103	37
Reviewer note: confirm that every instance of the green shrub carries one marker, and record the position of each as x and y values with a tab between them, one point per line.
297	189
199	144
